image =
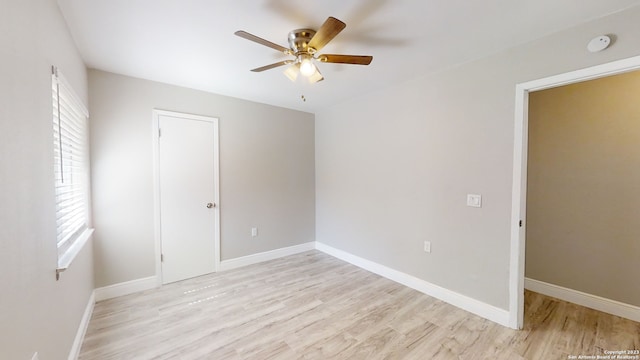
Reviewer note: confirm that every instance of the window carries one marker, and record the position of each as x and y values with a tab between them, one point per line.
71	155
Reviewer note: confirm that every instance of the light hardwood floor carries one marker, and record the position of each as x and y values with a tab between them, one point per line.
313	306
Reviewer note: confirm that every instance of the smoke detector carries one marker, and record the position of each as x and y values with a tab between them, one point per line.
599	43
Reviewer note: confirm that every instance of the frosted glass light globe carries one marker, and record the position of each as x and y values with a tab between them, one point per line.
307	68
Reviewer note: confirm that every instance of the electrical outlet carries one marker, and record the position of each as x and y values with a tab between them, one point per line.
35	356
254	232
427	246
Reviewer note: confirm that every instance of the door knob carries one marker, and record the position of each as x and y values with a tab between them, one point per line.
210	205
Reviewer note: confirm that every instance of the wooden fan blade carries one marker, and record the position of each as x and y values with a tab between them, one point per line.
346	59
261	41
327	31
271	66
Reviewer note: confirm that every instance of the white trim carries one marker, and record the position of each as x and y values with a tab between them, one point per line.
519	193
82	328
67	258
156	184
125	288
216	192
265	256
133	286
609	306
518	210
471	305
157	241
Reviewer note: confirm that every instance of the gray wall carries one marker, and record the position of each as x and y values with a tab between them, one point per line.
583	194
38	313
393	167
266	172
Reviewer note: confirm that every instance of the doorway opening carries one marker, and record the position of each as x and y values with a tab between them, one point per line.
519	188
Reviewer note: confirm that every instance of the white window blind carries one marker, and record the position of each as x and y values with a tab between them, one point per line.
70	162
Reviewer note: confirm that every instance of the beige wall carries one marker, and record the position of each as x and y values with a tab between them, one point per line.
266	172
393	167
583	198
37	313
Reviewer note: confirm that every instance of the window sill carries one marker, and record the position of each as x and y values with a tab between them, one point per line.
67	258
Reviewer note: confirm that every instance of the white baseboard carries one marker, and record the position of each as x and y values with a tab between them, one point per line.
609	306
126	288
82	328
471	305
265	256
133	286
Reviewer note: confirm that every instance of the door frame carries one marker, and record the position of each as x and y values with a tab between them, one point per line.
519	188
156	184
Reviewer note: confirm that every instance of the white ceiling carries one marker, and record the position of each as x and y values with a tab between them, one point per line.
191	42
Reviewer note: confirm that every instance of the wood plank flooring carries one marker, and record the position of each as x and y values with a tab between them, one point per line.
313	306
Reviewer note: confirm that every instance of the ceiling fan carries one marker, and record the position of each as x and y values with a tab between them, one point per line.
304	45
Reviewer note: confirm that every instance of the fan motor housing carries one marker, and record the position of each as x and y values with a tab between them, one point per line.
299	40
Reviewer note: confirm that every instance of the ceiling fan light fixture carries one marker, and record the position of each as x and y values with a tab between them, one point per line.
315	77
307	68
292	72
303	45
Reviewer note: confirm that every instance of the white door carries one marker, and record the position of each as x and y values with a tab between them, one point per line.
187	195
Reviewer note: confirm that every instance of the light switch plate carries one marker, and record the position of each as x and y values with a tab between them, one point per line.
474	200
